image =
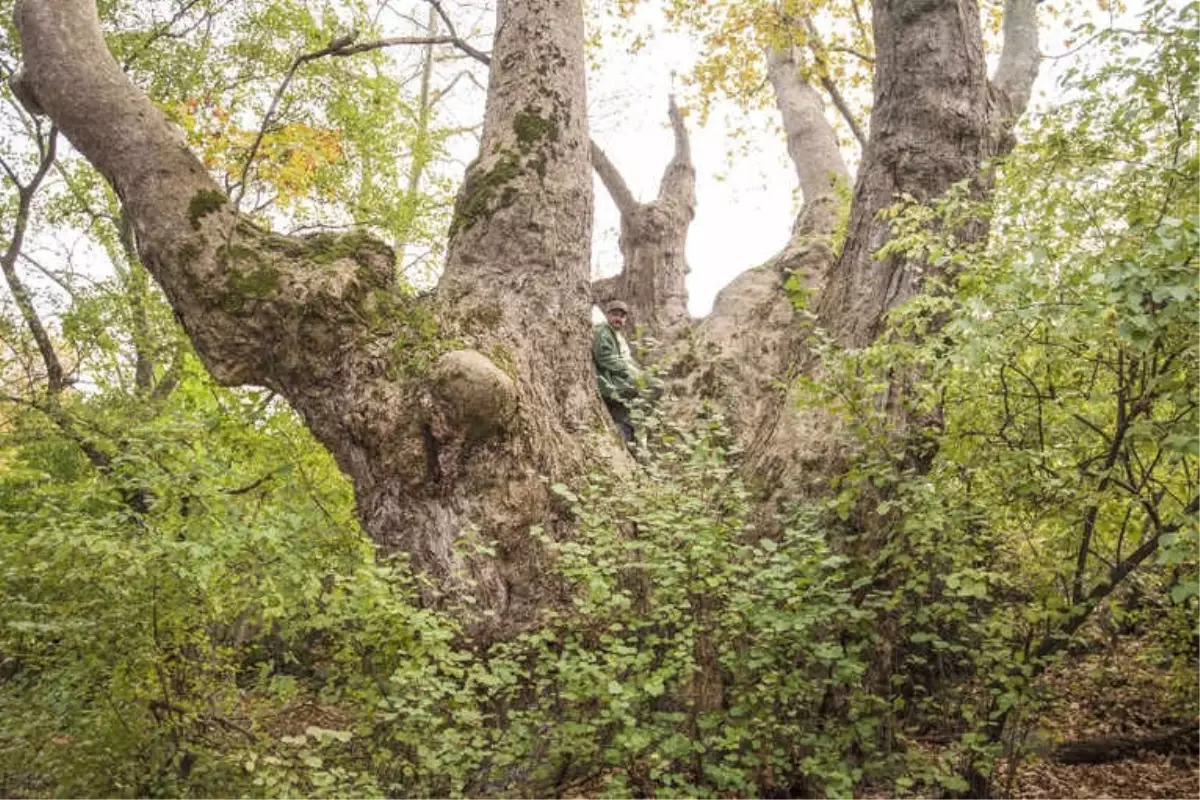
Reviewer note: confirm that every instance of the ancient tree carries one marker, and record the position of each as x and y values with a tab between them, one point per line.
449	411
445	410
936	118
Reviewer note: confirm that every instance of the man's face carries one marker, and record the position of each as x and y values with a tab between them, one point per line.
616	318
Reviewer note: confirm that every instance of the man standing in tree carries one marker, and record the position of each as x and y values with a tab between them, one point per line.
615	370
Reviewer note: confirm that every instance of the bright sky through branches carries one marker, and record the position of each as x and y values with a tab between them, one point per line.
746	188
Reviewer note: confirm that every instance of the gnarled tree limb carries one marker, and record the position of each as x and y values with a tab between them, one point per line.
611	176
653	238
422	429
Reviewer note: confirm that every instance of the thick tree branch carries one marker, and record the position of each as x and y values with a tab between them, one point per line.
1019	55
435	435
683	147
678	183
611	177
653	279
260	308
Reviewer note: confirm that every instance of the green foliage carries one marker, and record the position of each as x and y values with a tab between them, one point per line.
1028	429
147	605
236	636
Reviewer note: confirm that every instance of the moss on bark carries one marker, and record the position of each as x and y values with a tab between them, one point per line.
531	128
203	203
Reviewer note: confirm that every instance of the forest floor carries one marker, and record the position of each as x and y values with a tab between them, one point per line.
1130	691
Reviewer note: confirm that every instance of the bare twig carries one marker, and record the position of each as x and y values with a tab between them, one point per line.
160	31
819	50
55	377
49	273
340	47
833	48
460	43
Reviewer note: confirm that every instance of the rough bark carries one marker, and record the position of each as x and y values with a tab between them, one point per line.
752	318
652	281
936	119
754	339
516	288
443	409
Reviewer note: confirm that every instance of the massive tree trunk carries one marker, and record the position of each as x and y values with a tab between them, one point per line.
444	410
936	119
652	281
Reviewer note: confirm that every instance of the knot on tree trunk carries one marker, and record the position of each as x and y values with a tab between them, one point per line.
474	399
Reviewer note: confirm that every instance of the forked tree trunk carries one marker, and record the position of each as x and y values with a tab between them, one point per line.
936	119
652	281
444	410
755	338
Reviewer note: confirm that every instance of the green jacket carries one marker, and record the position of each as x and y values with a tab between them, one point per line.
614	373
